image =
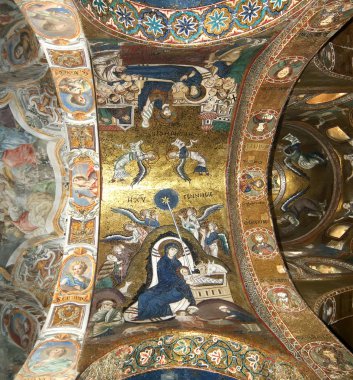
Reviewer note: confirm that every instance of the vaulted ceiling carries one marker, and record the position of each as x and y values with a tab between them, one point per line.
175	180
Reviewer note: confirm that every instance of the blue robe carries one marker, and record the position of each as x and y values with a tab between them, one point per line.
183	152
172	73
211	238
155	302
223	69
154	76
148	88
151	222
70	280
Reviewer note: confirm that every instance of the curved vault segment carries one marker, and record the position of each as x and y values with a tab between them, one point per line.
74	85
217	354
209	24
268	95
67	56
32	189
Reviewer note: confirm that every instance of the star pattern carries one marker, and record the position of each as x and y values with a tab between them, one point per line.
165	200
124	16
185	26
278	4
217	21
214	21
100	5
154	25
250	11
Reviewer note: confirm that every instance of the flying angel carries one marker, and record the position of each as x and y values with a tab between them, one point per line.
147	218
138	235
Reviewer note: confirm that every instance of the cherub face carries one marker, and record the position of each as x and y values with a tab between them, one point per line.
18	52
79	99
78	269
56	352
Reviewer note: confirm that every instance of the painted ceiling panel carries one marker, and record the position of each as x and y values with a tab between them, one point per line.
182	25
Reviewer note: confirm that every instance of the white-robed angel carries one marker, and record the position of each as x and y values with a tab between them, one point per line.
191	222
134	153
138	235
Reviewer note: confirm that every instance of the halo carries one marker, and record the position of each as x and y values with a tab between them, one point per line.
264	235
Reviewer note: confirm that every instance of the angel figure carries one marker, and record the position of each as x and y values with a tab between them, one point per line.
138	235
192	223
85	184
148	218
210	238
133	153
183	154
296	157
296	205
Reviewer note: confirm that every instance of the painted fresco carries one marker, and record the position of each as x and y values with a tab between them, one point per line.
53	357
20	55
28	184
40	107
27	261
19	47
31	250
51	20
164	252
60	105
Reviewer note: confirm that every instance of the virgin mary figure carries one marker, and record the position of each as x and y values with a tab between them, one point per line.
171	288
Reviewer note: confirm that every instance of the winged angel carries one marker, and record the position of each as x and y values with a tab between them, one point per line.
147	218
133	153
209	236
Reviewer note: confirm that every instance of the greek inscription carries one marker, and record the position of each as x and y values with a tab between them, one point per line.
256	146
206	194
250	222
136	199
